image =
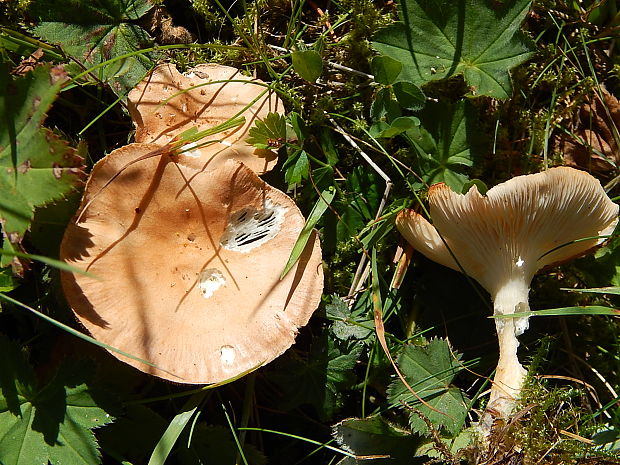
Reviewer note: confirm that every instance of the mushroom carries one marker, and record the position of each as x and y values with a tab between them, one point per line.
503	238
167	103
184	266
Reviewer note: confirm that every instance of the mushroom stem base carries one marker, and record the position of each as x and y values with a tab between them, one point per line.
510	374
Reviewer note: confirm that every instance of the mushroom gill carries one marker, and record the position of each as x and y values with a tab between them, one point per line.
503	238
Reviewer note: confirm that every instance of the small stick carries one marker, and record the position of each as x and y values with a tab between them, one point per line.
388	186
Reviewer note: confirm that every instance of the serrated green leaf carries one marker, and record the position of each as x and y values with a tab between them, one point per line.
119	439
429	370
437	39
454	445
52	423
308	64
95	32
348	325
36	166
447	142
374	436
321	379
409	95
385	69
268	133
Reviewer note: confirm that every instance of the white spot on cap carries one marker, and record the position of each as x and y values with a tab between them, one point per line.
227	354
209	281
520	262
249	228
190	150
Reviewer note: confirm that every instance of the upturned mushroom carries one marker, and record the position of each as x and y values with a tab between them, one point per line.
184	266
167	103
503	238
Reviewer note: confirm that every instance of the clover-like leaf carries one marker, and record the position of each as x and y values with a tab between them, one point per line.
436	39
51	423
429	370
94	32
308	64
36	166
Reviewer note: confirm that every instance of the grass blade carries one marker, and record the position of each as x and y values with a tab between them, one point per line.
565	311
48	261
325	199
175	428
596	290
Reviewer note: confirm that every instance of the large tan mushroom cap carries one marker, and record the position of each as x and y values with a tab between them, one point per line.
187	266
517	228
166	103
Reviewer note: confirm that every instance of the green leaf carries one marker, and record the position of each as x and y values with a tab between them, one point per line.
308	64
480	185
429	370
296	168
398	126
95	32
299	125
464	439
360	202
119	439
321	379
385	69
437	39
409	95
374	436
7	281
52	423
326	198
268	133
36	166
347	324
447	142
384	106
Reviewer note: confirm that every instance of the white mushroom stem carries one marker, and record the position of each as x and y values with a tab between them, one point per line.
510	298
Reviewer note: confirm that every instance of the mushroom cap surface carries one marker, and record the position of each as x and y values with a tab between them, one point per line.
166	103
185	266
517	228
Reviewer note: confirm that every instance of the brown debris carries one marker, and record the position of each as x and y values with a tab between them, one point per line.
28	64
594	143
